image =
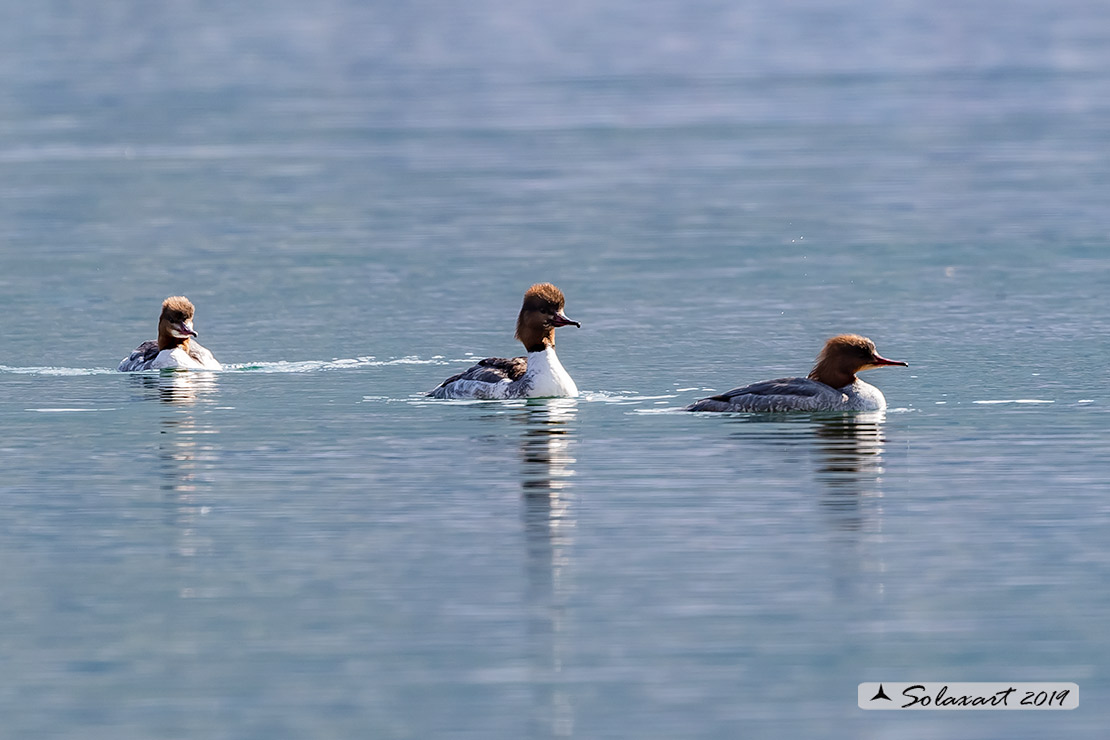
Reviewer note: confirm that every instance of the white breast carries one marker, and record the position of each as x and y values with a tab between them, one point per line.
204	358
546	377
863	397
179	358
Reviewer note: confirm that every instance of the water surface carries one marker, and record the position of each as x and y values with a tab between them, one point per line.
356	195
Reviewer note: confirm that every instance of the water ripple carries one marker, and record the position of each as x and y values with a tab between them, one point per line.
56	370
281	366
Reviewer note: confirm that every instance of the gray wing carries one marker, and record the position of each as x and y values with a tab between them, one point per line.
141	358
782	394
489	370
780	387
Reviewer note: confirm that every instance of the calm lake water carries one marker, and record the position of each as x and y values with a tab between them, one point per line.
356	195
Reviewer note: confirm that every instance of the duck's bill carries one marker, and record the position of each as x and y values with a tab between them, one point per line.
560	319
880	361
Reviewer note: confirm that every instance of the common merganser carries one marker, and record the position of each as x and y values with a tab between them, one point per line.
832	385
539	375
174	347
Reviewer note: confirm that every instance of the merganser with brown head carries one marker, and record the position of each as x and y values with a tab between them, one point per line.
539	374
832	385
174	347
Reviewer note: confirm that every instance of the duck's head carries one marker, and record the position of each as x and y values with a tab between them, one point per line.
845	355
175	325
540	314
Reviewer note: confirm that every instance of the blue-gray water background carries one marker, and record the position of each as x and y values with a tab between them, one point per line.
355	195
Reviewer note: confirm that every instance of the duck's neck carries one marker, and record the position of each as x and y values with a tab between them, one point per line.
825	371
166	340
537	341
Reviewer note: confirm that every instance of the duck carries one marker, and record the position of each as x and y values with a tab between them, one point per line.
175	346
832	385
539	374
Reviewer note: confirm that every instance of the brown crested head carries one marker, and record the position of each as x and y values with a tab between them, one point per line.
845	355
175	325
540	314
177	308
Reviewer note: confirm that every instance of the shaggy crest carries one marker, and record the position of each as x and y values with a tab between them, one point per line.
542	295
177	308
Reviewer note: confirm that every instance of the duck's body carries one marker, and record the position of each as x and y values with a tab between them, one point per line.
174	347
147	356
795	394
539	374
831	386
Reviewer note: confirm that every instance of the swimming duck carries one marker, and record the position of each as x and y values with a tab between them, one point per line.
539	374
174	347
832	385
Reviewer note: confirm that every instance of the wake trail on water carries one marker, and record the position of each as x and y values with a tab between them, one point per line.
71	371
280	366
308	366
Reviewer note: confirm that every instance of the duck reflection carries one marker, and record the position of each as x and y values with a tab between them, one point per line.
185	449
847	453
849	467
849	464
547	470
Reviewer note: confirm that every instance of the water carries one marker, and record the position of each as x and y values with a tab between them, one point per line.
356	195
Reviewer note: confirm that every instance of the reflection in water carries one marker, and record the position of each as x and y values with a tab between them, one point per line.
850	464
546	450
185	451
847	460
847	450
176	387
850	467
